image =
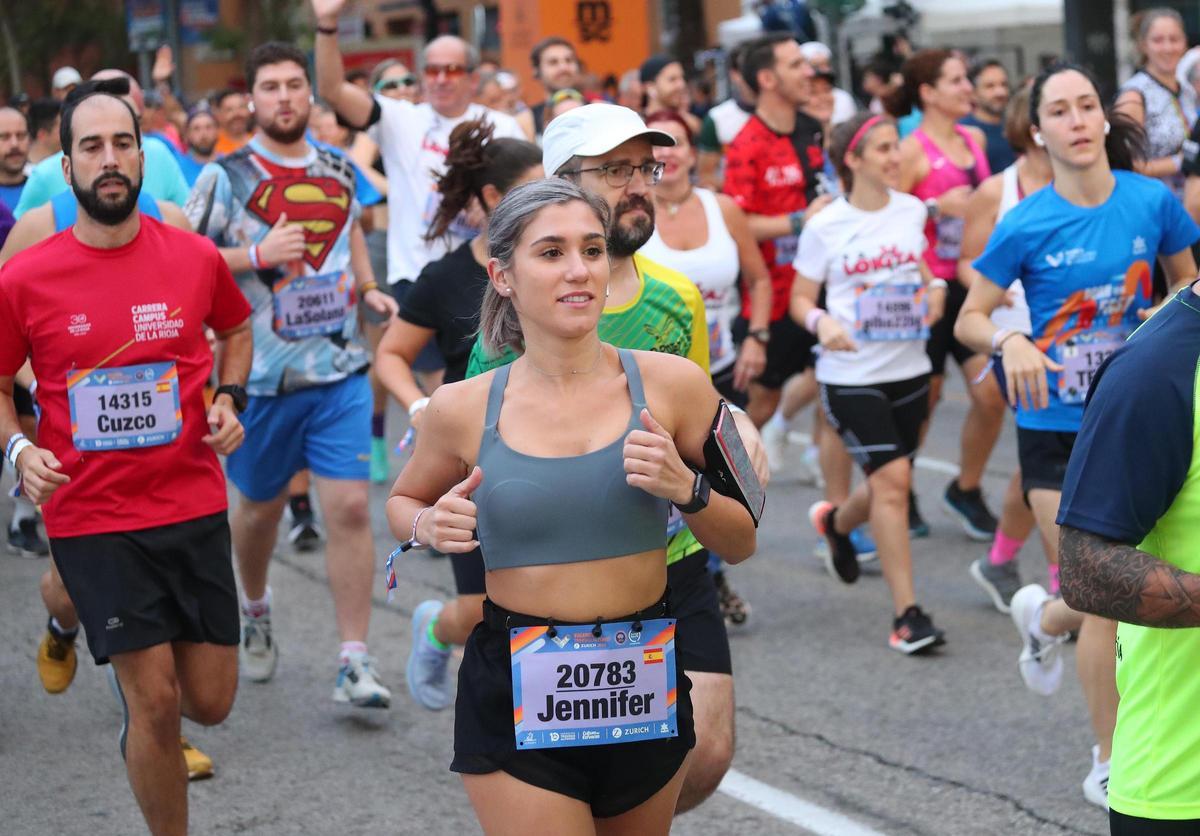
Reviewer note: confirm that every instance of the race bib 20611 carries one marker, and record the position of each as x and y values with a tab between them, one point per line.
310	306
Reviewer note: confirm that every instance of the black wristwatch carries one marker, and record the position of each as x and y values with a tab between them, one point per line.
237	394
763	335
700	491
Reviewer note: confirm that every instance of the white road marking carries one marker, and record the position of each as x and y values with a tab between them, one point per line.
790	808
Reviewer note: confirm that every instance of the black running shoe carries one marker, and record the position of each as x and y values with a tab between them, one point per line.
735	610
972	514
305	534
914	632
25	540
842	559
917	527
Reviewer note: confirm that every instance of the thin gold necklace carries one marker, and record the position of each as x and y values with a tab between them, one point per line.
673	208
588	370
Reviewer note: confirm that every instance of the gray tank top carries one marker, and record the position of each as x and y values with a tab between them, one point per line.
537	511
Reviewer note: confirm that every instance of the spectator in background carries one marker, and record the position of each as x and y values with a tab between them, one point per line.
497	91
556	66
700	90
561	102
1152	96
200	141
64	81
666	88
21	102
393	79
233	116
43	129
722	123
992	91
14	155
156	123
821	106
879	79
630	92
820	58
360	77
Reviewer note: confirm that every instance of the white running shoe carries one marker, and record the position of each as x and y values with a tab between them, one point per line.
1040	662
811	467
259	653
357	684
1095	785
427	671
775	443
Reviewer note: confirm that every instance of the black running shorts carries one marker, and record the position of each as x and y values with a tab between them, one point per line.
1120	824
141	588
878	422
23	401
942	342
1043	456
612	779
701	640
789	352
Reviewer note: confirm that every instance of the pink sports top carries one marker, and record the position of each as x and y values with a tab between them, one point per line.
945	236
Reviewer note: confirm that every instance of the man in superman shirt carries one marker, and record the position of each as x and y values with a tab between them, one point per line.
286	217
771	169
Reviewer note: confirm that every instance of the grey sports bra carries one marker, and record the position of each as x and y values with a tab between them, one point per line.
536	511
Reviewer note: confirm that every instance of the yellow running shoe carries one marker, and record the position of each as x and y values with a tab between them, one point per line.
56	662
199	765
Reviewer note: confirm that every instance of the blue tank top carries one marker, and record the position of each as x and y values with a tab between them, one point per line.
537	511
66	208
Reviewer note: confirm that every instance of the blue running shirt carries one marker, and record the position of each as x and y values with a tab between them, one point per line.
235	202
1087	272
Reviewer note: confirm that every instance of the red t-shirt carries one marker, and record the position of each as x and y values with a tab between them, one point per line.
74	309
768	173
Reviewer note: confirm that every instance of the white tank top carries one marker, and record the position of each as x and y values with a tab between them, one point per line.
714	267
1015	318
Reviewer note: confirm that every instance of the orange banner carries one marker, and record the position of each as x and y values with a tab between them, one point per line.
610	36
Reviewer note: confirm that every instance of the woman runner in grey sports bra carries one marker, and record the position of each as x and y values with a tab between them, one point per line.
580	696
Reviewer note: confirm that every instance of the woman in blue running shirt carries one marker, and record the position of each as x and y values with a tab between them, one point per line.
1084	249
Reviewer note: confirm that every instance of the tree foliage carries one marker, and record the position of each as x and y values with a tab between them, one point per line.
43	29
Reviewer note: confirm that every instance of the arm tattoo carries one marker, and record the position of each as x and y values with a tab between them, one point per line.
1117	581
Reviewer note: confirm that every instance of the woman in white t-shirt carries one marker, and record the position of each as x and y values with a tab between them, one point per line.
866	249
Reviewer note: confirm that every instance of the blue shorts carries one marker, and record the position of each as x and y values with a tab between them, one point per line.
326	429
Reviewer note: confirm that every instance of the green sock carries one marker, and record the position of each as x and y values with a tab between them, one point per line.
433	640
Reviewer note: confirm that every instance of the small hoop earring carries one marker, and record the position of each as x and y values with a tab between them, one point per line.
1107	127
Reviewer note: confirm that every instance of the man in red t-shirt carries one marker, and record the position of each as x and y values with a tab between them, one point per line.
126	467
771	169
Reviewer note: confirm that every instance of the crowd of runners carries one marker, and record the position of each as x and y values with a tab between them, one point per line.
607	318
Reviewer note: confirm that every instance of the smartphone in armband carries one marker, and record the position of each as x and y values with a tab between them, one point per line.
727	465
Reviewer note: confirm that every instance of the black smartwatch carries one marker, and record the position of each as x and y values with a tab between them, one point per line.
700	491
763	335
237	394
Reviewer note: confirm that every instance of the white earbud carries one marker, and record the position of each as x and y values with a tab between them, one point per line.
1038	141
250	106
1107	127
607	290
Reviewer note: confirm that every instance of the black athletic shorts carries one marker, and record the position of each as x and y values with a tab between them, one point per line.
723	382
612	779
136	589
468	573
1043	456
789	352
1120	824
879	422
941	335
23	401
701	640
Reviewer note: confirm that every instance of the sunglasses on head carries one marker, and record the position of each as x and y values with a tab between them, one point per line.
450	70
395	83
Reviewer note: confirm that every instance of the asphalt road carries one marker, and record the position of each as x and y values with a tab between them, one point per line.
827	714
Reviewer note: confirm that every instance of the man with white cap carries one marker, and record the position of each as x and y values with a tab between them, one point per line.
162	177
820	58
65	80
607	150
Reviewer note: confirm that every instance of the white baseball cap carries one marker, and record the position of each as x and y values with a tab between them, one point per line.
592	130
65	77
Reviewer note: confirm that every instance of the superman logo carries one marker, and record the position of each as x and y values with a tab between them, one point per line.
321	205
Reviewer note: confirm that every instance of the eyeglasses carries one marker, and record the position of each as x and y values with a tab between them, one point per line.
618	175
450	70
386	84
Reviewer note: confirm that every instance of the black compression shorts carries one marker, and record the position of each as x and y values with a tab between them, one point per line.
878	422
